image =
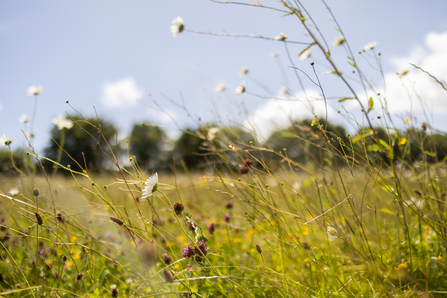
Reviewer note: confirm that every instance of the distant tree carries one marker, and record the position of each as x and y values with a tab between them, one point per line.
188	148
22	162
81	142
148	144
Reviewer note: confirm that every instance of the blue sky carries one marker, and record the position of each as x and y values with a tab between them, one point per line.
109	54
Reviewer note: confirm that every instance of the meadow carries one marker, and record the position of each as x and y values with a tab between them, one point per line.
310	212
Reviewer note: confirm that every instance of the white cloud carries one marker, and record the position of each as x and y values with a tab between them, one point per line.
276	114
403	94
122	93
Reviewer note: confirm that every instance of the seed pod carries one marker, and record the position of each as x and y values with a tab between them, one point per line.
39	218
79	277
248	162
258	248
117	220
168	275
64	259
114	292
36	192
306	245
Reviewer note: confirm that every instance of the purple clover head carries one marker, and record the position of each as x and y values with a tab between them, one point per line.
201	247
211	228
166	258
227	217
188	252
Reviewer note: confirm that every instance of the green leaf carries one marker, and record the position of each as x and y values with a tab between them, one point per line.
361	136
374	148
385	210
371	104
287	134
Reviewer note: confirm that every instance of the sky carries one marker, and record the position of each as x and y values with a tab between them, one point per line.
120	60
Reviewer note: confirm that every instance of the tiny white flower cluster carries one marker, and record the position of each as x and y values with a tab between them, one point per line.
339	41
4	141
243	71
24	118
281	36
220	87
241	88
61	122
370	46
305	54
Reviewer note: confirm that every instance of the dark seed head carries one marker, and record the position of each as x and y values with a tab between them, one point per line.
306	245
243	169
227	217
114	292
229	204
60	217
178	208
36	192
418	192
258	248
39	218
248	162
166	258
64	259
79	277
211	228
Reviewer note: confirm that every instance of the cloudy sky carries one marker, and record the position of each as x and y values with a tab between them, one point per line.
120	58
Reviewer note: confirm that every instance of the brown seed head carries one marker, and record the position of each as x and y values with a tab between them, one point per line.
306	245
248	162
79	277
39	219
60	217
243	169
168	275
258	248
117	220
418	192
36	192
178	208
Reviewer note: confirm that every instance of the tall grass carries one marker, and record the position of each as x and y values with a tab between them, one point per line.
354	216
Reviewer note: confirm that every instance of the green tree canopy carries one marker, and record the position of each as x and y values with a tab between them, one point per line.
147	143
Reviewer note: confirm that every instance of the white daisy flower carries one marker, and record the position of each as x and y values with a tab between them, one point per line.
339	41
24	118
296	186
4	141
370	46
241	88
243	71
151	186
275	54
34	90
306	54
61	122
281	36
177	26
332	233
220	87
13	191
284	90
419	203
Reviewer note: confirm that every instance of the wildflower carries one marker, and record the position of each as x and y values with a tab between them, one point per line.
402	267
403	73
34	90
220	87
129	281
13	191
258	248
166	258
64	258
305	54
275	54
4	141
32	261
227	217
306	245
192	225
168	275
39	218
188	252
36	192
177	26
198	259
56	274
24	118
243	71
61	122
211	228
332	233
229	205
151	186
284	90
241	88
370	46
178	208
114	291
419	203
296	186
281	36
79	277
440	258
201	248
339	41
